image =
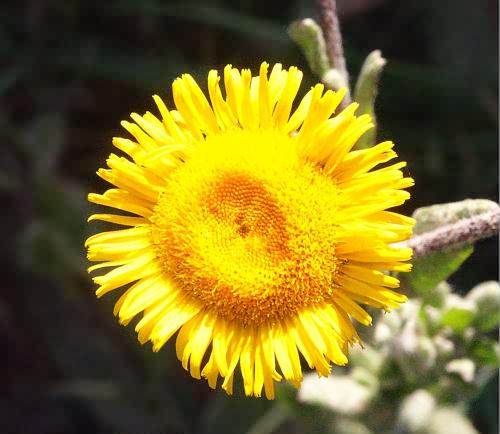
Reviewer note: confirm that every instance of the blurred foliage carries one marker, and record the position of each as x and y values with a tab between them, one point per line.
420	365
71	70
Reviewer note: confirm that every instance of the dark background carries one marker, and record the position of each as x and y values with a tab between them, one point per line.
71	70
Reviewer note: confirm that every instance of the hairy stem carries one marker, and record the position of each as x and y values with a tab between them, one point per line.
466	230
333	38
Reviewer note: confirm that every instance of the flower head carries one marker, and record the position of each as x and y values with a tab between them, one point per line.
254	231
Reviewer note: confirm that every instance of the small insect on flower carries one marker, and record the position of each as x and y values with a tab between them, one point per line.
254	231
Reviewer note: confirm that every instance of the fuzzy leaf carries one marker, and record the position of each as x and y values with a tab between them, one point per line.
485	352
309	37
430	270
459	315
366	91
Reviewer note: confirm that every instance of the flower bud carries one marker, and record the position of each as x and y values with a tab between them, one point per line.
464	368
368	358
340	393
447	420
444	347
486	297
415	411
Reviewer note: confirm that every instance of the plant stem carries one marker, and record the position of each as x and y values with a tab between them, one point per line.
269	422
466	230
333	38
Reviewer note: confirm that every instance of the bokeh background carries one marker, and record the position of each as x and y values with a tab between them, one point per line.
71	70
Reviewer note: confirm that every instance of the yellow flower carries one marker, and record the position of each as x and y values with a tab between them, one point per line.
254	231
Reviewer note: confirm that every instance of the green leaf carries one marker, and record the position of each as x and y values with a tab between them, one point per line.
487	322
485	352
459	314
365	94
49	134
307	34
437	297
52	244
430	270
199	13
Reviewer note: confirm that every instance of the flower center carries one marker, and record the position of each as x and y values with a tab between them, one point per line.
247	230
251	229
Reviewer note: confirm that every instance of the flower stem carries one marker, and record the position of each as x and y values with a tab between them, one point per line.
270	421
466	230
333	38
